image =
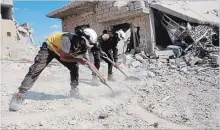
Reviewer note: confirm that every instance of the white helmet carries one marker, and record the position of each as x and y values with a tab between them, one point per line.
92	36
121	34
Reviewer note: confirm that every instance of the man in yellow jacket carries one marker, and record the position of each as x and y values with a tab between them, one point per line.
68	49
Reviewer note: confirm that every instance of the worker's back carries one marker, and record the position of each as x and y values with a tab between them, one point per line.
108	44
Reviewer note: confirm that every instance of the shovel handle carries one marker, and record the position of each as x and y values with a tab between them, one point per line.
93	69
105	56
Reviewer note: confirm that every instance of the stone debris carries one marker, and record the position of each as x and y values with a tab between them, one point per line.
139	58
165	54
72	122
155	125
179	84
192	44
143	55
103	116
135	64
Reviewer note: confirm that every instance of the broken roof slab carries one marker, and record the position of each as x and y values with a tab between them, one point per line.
198	11
72	9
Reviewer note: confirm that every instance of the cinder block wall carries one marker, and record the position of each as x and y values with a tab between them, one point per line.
106	14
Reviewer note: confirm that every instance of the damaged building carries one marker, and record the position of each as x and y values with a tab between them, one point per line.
175	25
174	19
11	31
188	31
110	15
8	30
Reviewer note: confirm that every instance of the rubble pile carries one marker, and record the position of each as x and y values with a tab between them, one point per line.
19	48
176	91
23	31
195	43
182	80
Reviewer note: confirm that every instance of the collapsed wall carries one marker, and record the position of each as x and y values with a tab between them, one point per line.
14	37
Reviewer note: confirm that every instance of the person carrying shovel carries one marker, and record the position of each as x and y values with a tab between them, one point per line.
107	45
69	49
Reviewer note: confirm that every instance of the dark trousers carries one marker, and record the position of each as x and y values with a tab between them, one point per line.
97	58
43	58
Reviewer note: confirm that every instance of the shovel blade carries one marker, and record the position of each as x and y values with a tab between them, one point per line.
132	78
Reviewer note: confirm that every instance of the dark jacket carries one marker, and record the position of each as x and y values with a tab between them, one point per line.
76	47
110	44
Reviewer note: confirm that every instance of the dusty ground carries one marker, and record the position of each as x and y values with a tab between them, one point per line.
165	96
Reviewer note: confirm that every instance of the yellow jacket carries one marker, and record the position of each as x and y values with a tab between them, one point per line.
54	42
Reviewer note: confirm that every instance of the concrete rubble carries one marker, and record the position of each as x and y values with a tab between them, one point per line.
14	37
23	31
178	87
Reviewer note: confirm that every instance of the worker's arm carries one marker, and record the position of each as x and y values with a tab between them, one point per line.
65	52
115	53
68	58
99	42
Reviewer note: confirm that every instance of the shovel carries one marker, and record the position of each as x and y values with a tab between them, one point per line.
94	69
127	77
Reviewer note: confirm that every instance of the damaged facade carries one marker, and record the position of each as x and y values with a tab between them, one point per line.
189	32
172	25
8	31
11	31
110	15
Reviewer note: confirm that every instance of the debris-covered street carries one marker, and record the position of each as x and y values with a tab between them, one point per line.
173	60
166	95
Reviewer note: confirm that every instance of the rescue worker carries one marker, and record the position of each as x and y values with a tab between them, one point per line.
107	43
69	49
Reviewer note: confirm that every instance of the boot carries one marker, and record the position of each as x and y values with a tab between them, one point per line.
74	92
111	78
16	101
95	80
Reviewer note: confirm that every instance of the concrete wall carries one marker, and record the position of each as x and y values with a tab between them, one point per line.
7	2
109	13
8	26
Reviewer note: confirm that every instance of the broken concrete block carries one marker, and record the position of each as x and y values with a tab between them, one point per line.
180	62
132	51
129	58
151	74
167	53
164	57
173	66
177	50
163	60
215	59
42	123
72	122
155	125
184	70
139	58
135	63
172	61
202	61
103	116
143	55
188	57
193	61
